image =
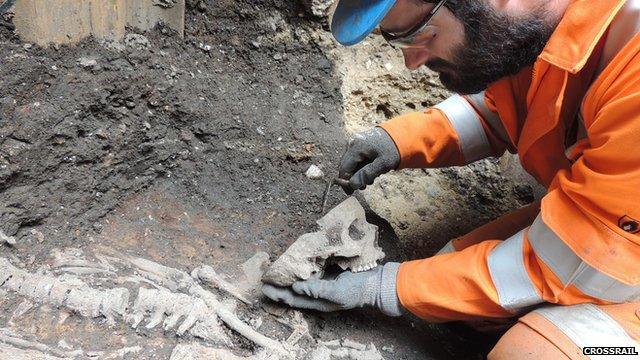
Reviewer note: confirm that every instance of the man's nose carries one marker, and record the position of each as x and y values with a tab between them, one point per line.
415	58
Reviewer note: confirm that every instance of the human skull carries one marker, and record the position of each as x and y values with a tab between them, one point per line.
345	238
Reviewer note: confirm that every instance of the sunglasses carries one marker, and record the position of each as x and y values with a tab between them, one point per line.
409	39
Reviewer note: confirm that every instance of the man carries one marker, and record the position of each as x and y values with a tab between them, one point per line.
558	82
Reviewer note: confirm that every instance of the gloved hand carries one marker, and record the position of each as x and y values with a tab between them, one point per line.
376	287
369	154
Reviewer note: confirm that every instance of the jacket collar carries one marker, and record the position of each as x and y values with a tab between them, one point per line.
581	27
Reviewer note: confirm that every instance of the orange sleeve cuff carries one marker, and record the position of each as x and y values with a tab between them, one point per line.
425	139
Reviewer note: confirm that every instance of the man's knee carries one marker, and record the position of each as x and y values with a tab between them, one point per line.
523	343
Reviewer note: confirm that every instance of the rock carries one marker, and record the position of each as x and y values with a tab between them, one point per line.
88	63
388	349
186	135
165	3
324	64
204	47
136	41
314	173
319	8
39	236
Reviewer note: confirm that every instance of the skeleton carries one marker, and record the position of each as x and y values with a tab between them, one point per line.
188	313
166	297
345	238
199	307
181	281
68	292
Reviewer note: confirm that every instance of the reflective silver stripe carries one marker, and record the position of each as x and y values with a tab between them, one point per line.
492	118
571	270
466	122
509	275
447	249
587	325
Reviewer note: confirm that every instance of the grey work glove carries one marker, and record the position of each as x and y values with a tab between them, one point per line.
376	287
369	154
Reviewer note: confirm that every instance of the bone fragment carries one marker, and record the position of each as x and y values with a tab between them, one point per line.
209	276
354	345
300	328
73	294
195	351
9	338
4	238
74	258
21	309
345	238
255	267
14	353
123	353
235	323
345	349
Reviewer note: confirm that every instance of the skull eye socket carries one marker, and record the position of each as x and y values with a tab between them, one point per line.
354	230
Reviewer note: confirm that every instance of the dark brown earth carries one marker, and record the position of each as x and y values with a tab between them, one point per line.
186	151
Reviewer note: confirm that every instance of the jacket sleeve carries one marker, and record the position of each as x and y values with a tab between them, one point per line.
458	131
458	283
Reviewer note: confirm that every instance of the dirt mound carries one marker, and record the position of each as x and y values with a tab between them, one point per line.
84	127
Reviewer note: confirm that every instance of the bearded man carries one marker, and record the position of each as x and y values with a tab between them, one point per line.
558	83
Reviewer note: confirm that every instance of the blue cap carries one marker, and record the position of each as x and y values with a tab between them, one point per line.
353	20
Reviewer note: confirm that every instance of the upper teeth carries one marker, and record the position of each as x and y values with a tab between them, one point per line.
364	267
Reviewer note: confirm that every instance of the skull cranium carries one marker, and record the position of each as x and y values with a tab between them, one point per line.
345	238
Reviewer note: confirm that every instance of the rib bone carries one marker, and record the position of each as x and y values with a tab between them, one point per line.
170	308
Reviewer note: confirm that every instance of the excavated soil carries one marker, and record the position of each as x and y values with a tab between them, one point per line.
193	151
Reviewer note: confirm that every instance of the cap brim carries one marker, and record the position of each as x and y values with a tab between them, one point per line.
353	20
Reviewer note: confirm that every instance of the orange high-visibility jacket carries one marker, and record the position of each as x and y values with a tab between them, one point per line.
574	120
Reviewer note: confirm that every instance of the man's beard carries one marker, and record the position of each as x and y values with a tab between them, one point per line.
496	45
